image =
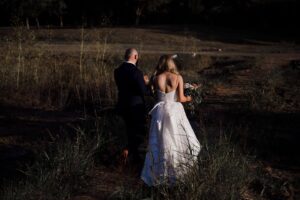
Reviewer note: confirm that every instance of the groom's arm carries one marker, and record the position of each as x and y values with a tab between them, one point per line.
143	89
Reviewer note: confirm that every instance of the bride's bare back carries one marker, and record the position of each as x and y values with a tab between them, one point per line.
168	82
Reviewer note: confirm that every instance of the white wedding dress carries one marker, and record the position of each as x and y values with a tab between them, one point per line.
173	145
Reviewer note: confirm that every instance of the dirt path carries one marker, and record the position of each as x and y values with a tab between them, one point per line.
216	50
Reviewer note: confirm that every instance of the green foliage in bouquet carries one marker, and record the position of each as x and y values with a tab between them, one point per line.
197	94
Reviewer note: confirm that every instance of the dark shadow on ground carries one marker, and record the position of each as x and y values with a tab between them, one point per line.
22	129
272	137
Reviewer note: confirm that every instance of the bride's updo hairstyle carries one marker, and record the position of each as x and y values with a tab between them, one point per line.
170	65
166	64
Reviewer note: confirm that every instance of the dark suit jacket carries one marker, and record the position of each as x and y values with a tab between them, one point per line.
131	87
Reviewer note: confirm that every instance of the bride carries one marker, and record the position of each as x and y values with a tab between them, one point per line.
173	145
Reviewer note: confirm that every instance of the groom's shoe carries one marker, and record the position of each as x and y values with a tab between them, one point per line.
123	161
125	156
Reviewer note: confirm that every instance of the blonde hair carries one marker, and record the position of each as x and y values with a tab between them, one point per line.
164	65
167	66
161	62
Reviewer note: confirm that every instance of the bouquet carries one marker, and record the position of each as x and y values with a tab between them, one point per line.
195	91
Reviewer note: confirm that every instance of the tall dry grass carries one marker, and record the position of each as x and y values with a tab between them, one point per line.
60	171
221	171
34	75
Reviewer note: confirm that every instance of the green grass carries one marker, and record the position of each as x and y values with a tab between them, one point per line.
66	168
221	172
60	171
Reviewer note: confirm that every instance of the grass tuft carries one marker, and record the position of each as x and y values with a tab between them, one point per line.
60	171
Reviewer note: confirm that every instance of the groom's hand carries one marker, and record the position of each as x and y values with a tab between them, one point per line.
146	79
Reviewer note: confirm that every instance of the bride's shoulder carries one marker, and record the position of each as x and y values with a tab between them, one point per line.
161	76
180	78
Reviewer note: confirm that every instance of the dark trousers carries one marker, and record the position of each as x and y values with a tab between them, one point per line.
135	120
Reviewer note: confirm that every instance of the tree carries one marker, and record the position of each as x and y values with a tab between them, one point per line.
195	6
21	9
39	6
145	5
25	9
57	8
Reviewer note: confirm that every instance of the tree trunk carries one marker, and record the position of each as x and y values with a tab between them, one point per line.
138	14
137	20
61	21
37	22
27	23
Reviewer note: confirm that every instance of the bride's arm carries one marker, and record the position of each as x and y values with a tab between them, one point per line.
181	97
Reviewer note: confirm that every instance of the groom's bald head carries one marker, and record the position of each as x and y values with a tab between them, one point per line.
131	55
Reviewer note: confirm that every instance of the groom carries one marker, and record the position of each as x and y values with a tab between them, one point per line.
131	103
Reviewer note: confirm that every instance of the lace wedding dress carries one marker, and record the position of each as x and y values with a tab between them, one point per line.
173	145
